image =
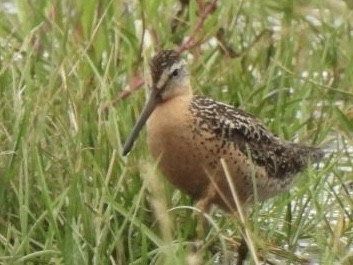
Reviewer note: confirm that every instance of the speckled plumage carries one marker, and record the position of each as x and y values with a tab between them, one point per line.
189	135
281	159
161	62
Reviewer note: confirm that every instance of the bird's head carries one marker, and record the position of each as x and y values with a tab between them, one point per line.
169	74
170	79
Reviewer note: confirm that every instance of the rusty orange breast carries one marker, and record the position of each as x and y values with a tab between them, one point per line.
170	140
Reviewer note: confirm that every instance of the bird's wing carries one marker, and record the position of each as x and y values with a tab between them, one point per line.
279	157
231	123
244	130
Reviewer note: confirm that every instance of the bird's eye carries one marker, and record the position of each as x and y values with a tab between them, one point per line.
175	72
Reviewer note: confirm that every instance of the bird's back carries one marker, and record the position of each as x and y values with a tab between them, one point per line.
189	136
281	159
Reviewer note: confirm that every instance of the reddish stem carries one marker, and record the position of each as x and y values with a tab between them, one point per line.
210	8
137	81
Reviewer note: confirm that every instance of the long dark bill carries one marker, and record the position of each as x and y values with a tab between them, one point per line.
152	102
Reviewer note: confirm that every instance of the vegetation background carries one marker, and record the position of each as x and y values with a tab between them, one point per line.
70	79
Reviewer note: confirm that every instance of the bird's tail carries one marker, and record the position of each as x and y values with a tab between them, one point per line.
308	154
315	154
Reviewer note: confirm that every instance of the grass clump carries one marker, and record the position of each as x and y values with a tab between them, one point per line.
69	197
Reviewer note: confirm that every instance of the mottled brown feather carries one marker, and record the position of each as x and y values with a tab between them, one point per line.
189	135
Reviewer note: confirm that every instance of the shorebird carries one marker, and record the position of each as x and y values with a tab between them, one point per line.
191	134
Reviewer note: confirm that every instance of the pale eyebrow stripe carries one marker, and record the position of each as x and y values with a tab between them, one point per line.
166	76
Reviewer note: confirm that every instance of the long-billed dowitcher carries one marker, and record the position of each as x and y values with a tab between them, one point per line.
189	135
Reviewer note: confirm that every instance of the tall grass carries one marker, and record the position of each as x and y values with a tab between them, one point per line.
67	196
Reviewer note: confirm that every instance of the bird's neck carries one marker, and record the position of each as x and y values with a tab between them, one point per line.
182	91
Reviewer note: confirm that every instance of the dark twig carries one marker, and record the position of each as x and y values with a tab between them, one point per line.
225	47
228	51
258	37
177	20
137	81
191	42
